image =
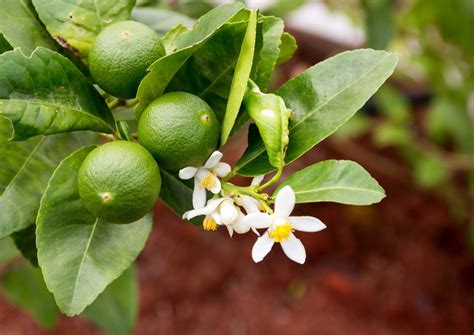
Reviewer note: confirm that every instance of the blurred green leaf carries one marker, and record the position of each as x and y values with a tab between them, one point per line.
430	170
77	22
240	78
322	102
388	134
393	104
46	94
282	8
8	251
24	286
25	241
380	23
93	252
115	309
160	19
23	29
340	181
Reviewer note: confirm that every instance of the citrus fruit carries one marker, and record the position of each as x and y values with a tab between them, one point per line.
120	56
179	129
119	182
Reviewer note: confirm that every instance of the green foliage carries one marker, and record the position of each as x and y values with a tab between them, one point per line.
4	45
8	251
115	309
94	252
169	39
241	77
344	182
162	20
25	241
23	285
23	29
287	47
46	94
77	23
175	193
380	23
328	102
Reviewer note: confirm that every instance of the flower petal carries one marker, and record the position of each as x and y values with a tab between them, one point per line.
306	223
216	185
294	249
257	180
206	210
199	195
230	230
187	172
228	212
262	247
285	202
213	159
202	173
222	169
249	204
258	220
239	225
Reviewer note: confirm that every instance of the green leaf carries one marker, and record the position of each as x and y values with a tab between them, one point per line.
4	45
345	182
380	23
164	69
322	99
25	241
93	252
24	286
115	309
8	251
169	40
266	58
161	19
46	94
26	168
270	114
77	22
240	78
21	27
288	47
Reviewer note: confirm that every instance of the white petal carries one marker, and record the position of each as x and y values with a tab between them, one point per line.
222	169
199	195
230	230
249	204
213	159
258	220
239	226
228	212
306	223
294	249
285	202
257	180
187	172
262	247
206	210
216	185
202	173
215	215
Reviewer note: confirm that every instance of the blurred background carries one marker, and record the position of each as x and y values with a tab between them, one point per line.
404	266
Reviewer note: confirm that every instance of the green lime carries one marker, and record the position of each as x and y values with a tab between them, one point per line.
179	129
119	182
120	56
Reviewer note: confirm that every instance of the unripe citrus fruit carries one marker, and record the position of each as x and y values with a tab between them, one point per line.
119	182
179	129
120	56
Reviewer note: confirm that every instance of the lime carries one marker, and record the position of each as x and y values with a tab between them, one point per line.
179	129
120	56
119	182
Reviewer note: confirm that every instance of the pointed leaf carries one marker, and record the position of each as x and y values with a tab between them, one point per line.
24	174
22	28
345	182
4	45
240	78
115	309
93	253
322	99
46	94
78	22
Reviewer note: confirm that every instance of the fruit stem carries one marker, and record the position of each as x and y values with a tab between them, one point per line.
272	181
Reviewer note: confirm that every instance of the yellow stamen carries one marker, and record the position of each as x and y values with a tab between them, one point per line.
208	182
281	232
209	224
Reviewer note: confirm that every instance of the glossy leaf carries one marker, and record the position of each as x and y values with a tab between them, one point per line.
169	39
46	94
77	22
22	28
115	309
24	286
288	47
163	70
322	99
341	181
93	252
24	174
160	19
25	241
240	78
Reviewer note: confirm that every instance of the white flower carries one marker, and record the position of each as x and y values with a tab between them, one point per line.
281	227
226	212
205	177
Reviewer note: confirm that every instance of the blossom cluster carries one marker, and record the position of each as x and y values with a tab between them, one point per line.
227	209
